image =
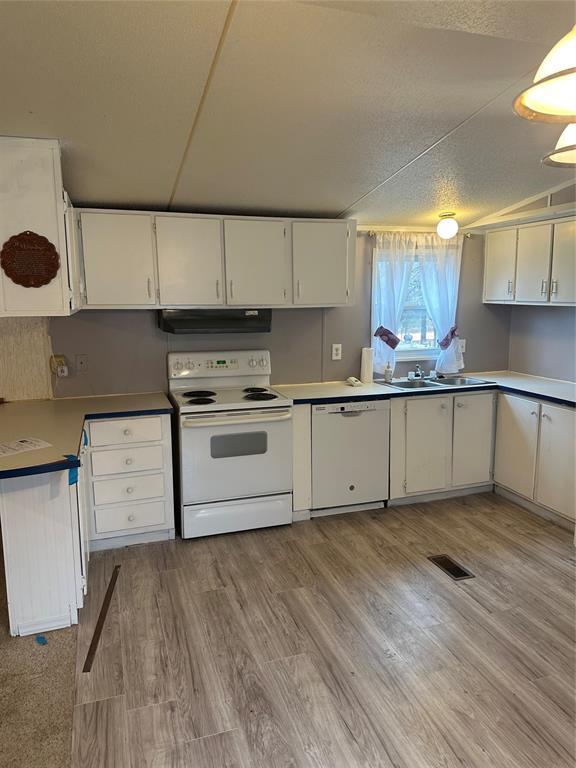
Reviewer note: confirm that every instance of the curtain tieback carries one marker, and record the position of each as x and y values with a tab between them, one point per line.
449	338
388	337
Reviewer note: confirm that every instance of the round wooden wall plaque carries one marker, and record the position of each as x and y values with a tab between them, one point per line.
29	260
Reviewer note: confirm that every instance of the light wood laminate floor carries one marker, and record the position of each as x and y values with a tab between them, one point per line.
335	643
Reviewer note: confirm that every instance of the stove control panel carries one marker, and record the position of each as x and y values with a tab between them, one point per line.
187	365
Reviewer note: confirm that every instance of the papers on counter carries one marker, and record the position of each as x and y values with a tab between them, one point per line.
22	445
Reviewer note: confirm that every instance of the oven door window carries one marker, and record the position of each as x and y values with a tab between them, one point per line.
242	444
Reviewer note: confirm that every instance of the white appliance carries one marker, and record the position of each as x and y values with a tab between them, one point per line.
350	449
235	442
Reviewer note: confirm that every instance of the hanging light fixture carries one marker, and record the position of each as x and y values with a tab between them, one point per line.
552	96
564	155
447	227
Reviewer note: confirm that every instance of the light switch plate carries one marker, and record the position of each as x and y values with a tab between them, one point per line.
336	351
462	343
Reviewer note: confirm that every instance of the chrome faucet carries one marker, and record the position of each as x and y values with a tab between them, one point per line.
419	372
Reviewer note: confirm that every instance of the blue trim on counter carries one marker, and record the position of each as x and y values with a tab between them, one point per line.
127	414
431	391
41	469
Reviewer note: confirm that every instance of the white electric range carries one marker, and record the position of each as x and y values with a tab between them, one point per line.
235	437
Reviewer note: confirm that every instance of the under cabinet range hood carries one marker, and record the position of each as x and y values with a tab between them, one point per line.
215	320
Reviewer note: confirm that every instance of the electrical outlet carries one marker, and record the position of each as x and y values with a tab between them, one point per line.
336	351
81	363
462	343
59	366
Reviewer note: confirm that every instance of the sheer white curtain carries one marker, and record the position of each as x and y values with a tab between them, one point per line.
440	277
394	254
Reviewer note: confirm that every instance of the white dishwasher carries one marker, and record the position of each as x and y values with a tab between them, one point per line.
350	450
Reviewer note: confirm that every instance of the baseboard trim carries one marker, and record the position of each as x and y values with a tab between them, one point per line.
299	515
451	494
343	510
116	542
536	509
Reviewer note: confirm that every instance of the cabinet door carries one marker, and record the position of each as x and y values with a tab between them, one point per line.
320	262
555	475
428	431
516	441
533	263
118	259
190	261
563	284
472	439
31	199
257	266
500	265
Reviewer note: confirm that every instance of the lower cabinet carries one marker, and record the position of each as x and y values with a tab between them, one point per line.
535	452
440	442
129	481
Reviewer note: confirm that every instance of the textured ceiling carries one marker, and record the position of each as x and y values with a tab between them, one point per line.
388	111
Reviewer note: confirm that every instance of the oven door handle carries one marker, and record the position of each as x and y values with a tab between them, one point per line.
203	421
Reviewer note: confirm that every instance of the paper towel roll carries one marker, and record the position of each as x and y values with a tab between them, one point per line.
367	366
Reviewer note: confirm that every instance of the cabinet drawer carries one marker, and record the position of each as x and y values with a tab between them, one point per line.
119	431
134	516
128	489
127	460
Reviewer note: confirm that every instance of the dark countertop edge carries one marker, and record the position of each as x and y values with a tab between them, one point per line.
40	469
64	464
432	391
126	414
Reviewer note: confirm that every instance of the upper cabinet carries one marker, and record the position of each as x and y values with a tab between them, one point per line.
321	274
563	279
500	265
119	259
533	264
190	261
257	262
36	268
142	260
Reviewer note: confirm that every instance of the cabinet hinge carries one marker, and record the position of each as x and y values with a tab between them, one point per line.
405	408
154	226
347	293
404	486
348	233
79	223
158	295
284	231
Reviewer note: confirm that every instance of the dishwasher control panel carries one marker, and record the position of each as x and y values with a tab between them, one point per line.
353	405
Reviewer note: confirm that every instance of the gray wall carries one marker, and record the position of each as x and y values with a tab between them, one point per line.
542	341
127	352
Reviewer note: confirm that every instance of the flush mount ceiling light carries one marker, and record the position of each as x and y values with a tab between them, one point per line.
552	96
564	155
447	227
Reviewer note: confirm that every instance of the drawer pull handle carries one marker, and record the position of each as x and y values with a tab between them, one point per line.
129	489
443	406
459	405
131	518
128	461
127	432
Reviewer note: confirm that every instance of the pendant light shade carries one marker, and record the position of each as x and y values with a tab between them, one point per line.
447	227
564	155
552	96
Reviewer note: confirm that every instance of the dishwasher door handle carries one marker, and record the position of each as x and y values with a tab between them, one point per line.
350	413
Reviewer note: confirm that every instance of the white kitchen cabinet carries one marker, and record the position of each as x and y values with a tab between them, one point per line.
257	262
472	439
32	199
428	431
190	261
321	262
516	443
130	481
119	259
555	487
563	280
500	265
533	263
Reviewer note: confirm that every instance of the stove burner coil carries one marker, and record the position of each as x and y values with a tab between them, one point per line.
261	396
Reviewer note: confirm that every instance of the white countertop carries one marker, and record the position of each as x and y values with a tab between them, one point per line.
60	421
535	386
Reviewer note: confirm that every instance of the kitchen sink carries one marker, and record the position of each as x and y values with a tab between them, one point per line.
414	384
461	381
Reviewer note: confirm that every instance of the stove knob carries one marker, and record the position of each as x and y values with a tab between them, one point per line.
178	366
262	362
252	362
